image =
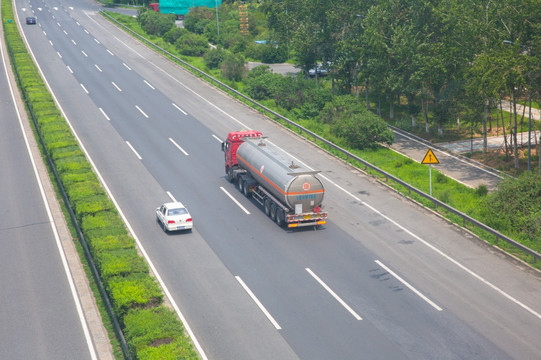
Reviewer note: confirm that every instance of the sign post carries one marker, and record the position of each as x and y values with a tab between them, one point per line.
430	158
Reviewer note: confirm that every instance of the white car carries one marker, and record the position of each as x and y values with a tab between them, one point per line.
174	216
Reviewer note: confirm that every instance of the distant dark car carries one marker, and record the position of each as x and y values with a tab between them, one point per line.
30	20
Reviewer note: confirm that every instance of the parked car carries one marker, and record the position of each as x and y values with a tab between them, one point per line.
174	216
320	70
31	20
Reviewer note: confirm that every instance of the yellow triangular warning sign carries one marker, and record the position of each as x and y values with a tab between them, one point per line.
430	158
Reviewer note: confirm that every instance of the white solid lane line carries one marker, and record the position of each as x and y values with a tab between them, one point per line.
409	286
135	152
258	303
235	200
342	302
178	146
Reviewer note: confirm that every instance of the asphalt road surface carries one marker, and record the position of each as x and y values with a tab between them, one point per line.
384	279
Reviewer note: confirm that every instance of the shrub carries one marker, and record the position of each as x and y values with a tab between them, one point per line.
133	291
174	34
156	334
80	190
214	57
192	44
155	23
120	262
92	205
363	131
273	54
102	220
232	67
112	242
197	19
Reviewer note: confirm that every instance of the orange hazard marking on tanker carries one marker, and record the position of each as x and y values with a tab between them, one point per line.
306	186
273	184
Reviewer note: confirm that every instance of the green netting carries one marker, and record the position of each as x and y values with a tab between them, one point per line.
181	7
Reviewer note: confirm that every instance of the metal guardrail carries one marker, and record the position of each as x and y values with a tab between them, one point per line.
465	218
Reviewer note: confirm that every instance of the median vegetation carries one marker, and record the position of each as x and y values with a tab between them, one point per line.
152	330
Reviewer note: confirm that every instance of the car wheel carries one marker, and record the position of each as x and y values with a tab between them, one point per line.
267	207
164	228
273	212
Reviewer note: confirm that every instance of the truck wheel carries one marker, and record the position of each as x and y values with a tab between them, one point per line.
267	207
246	189
280	217
273	212
239	184
230	174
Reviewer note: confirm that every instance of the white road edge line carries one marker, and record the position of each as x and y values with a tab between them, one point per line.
67	270
135	152
171	196
258	303
178	146
433	304
179	109
235	200
342	302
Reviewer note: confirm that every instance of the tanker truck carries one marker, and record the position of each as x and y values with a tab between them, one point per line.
290	193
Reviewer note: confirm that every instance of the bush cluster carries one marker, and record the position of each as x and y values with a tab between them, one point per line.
152	331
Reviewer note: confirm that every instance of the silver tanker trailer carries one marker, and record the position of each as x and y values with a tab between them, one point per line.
290	193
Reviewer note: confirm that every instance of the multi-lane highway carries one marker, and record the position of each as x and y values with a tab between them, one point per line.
40	316
384	279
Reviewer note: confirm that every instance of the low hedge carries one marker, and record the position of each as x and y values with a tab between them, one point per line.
153	332
133	291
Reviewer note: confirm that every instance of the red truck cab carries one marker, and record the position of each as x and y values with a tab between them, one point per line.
231	144
155	6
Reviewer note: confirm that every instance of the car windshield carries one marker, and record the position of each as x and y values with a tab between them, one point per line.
179	211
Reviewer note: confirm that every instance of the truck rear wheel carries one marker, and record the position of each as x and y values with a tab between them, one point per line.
273	211
267	207
280	217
